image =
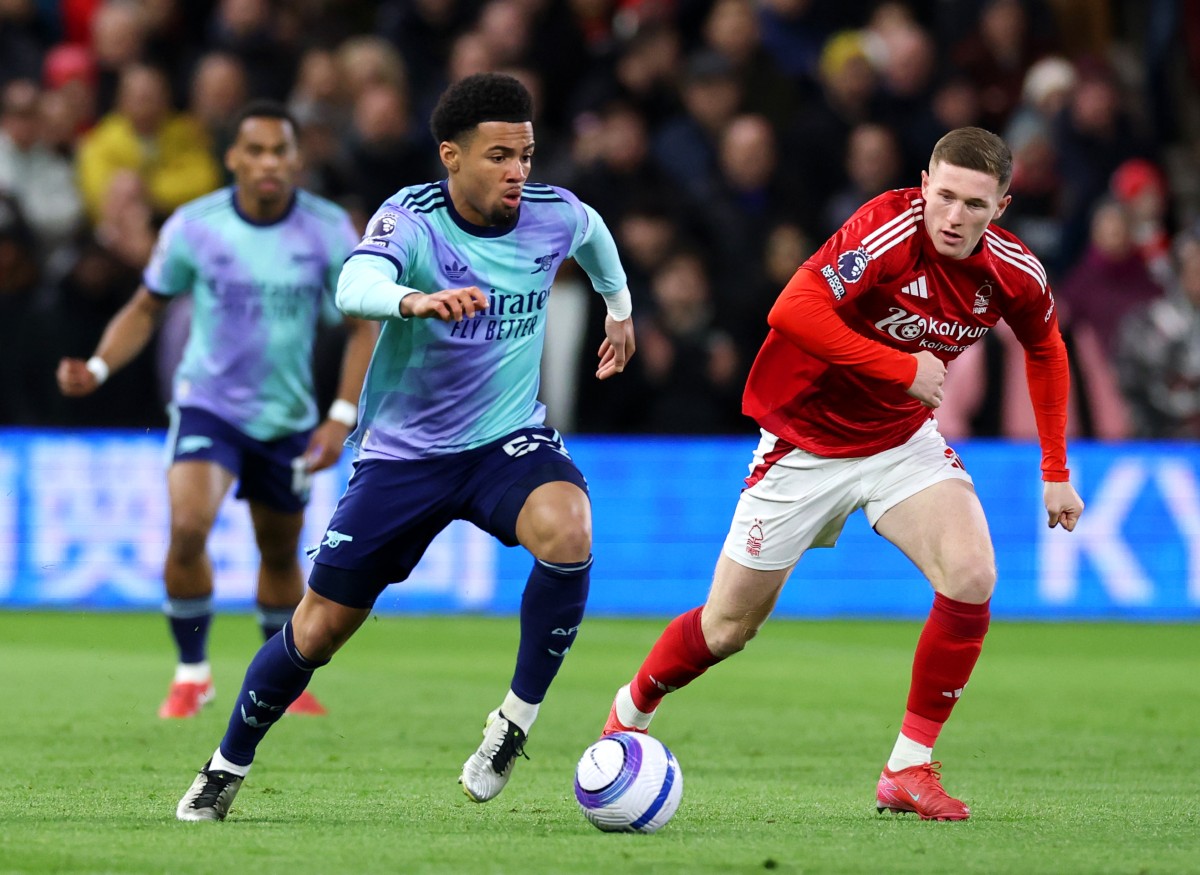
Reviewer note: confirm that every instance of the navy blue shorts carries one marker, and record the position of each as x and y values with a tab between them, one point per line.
264	469
392	509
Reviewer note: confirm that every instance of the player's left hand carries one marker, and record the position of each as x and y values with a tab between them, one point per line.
1063	504
325	445
617	348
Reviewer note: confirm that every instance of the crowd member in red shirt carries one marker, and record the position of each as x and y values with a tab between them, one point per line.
844	389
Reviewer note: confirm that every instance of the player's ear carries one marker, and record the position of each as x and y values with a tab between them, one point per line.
295	155
1002	206
451	155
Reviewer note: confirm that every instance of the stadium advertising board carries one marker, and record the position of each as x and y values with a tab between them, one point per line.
83	524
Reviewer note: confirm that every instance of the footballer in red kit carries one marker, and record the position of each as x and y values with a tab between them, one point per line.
845	390
881	279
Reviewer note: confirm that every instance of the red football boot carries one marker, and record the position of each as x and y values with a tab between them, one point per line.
307	703
918	789
185	699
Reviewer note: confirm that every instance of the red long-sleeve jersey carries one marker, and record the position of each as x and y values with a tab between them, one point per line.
832	375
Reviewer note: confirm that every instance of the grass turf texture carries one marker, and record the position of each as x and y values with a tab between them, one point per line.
1076	747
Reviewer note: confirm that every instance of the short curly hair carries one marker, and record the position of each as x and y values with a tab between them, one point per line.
265	109
483	97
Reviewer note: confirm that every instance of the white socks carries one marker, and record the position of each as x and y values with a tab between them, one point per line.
628	713
192	673
908	753
519	711
220	764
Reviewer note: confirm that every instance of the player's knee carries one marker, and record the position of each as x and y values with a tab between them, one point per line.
189	535
970	582
573	544
727	636
277	558
561	537
316	636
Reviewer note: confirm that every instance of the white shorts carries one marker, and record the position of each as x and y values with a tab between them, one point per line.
800	500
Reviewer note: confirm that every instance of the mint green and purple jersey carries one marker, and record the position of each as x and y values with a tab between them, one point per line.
435	387
259	291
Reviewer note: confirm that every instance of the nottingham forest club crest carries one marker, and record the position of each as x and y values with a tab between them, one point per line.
983	297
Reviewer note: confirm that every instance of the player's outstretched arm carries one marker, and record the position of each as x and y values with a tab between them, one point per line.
1063	504
617	348
126	334
449	305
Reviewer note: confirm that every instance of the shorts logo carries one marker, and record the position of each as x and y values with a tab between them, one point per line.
852	264
192	443
754	538
955	461
525	444
334	539
835	284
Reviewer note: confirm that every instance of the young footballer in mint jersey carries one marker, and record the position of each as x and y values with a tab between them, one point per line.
458	272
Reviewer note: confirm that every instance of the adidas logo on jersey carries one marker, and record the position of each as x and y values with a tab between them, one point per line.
917	288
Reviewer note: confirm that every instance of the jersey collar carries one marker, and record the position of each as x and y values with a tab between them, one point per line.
470	227
258	224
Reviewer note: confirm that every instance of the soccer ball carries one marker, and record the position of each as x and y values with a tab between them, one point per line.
628	782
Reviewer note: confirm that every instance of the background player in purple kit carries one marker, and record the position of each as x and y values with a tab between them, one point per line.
261	261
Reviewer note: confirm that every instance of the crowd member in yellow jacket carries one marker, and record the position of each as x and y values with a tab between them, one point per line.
169	150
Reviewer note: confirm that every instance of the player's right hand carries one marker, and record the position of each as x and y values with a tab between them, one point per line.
1063	504
449	305
74	378
931	375
616	348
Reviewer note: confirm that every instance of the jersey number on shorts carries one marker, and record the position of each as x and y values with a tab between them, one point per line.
520	446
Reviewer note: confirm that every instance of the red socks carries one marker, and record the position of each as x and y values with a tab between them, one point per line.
946	653
678	657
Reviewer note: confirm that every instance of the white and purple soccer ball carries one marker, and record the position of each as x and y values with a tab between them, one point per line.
628	782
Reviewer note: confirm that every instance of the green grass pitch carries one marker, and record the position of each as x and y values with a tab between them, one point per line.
1077	747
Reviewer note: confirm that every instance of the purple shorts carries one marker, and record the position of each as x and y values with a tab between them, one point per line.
393	508
264	469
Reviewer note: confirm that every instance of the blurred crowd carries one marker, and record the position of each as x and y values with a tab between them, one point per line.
721	140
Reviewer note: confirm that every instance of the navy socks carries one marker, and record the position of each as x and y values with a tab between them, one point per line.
276	676
272	619
189	620
551	610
